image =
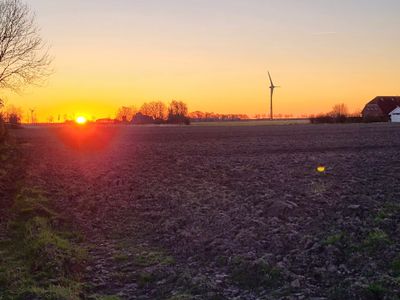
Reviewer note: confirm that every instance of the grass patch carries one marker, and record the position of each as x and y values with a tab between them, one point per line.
52	292
339	292
121	257
144	279
106	297
334	239
396	266
254	274
181	297
389	211
152	258
376	291
38	261
376	240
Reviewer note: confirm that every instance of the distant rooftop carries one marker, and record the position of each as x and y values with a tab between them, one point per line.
386	103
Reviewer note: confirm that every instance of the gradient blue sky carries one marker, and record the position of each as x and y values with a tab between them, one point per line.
215	54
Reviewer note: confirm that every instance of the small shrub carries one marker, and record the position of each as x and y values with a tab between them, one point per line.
14	120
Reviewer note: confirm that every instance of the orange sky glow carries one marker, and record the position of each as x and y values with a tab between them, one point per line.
214	56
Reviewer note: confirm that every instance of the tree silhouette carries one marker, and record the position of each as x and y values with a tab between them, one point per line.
156	110
339	110
24	55
178	113
126	113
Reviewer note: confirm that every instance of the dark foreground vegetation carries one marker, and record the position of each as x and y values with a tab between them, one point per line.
206	213
41	256
3	132
329	119
338	114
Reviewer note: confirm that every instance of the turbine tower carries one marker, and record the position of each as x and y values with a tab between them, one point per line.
272	87
32	110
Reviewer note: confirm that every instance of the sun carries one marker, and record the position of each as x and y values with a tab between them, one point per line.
81	120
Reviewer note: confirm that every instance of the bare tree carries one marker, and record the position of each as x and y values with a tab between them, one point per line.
178	112
156	109
126	114
24	57
178	108
339	110
13	115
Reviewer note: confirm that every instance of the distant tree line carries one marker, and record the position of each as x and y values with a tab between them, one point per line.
199	116
155	112
276	116
338	114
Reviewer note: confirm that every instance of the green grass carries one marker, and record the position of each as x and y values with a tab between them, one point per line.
52	292
376	240
376	291
152	258
334	239
396	266
38	261
389	211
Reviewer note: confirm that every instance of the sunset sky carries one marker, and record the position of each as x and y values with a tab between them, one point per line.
215	54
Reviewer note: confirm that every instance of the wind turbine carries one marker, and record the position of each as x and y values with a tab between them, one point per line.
32	110
272	87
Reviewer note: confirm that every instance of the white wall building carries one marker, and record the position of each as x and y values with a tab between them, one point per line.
395	115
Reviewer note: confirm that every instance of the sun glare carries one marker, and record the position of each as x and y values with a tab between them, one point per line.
81	120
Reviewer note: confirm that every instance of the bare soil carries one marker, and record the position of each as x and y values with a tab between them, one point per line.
228	212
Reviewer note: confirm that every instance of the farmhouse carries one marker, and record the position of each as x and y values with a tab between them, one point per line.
141	119
395	115
380	108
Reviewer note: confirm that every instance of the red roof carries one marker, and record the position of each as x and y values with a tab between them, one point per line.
386	103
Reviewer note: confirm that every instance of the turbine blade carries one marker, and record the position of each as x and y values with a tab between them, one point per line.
270	79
